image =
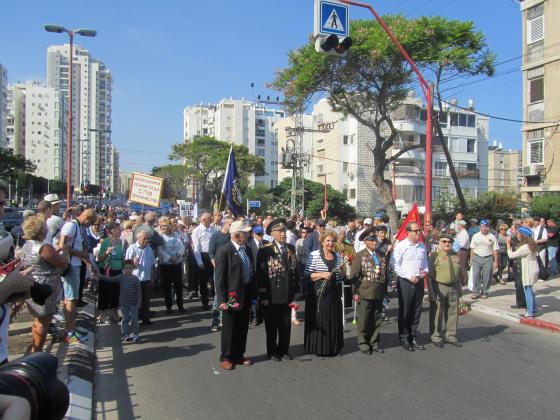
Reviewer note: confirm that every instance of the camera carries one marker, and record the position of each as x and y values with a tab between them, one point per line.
33	377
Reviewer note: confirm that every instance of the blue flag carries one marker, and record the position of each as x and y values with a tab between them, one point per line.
231	188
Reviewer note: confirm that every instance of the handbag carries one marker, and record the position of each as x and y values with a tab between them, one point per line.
543	272
471	280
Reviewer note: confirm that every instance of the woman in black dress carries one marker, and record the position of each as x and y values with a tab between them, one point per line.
323	304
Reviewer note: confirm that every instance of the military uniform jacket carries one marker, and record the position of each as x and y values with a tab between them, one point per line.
368	275
432	270
277	274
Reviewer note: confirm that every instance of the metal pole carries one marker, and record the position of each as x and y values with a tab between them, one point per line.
426	90
69	149
326	198
394	189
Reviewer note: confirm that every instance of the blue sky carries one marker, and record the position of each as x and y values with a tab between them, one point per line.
173	53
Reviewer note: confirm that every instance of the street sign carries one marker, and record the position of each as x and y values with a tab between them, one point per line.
254	204
331	18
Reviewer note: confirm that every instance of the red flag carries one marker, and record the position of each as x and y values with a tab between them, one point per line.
412	217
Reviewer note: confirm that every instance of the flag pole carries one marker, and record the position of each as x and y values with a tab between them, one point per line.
225	178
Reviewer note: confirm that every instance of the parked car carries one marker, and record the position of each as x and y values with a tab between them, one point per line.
12	217
6	245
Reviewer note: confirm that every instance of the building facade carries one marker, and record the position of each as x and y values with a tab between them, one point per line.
91	108
541	103
241	122
505	173
37	127
3	104
342	156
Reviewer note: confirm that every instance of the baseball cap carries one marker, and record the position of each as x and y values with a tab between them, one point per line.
238	226
485	222
258	230
367	221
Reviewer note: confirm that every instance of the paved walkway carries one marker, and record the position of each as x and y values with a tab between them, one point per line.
502	297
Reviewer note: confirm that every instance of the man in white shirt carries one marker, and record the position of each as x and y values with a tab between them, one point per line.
462	237
540	235
200	239
55	222
411	266
458	218
484	259
359	245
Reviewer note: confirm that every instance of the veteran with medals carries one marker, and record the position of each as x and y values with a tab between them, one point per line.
369	267
277	278
444	290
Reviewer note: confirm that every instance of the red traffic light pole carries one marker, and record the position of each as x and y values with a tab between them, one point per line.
426	90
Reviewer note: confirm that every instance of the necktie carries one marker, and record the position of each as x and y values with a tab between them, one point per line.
246	265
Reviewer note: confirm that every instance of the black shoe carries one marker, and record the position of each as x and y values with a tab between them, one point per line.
254	323
169	311
407	346
287	357
277	358
518	307
147	322
368	352
378	349
182	310
440	345
455	343
215	328
416	345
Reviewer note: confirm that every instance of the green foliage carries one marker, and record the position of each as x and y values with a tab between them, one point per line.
264	195
174	180
205	159
314	199
11	165
485	207
547	206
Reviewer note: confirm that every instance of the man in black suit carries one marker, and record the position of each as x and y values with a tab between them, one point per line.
277	278
235	288
255	243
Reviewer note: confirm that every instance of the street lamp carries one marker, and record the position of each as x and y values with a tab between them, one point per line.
83	32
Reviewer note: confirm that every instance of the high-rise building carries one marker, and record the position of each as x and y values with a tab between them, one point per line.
343	155
114	176
504	169
91	108
240	122
37	127
3	104
541	103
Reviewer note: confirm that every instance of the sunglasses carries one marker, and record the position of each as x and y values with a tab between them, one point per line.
445	241
502	229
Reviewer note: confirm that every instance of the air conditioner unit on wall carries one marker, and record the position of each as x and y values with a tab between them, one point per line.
530	170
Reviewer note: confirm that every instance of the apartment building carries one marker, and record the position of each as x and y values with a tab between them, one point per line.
505	173
3	104
240	122
91	108
37	127
541	102
343	155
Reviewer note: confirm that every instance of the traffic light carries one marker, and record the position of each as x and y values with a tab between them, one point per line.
333	45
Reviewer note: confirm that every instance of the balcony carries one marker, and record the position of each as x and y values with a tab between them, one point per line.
472	174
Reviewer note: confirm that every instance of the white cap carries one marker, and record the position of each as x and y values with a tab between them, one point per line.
367	221
52	198
238	226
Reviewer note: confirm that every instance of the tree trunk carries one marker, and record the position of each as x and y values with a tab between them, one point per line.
387	196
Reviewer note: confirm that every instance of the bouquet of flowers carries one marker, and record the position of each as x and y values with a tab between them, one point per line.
321	291
464	307
294	306
232	300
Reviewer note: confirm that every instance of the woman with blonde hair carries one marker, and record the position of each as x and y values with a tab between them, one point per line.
47	265
527	250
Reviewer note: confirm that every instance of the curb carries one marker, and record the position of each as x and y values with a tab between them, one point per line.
79	364
532	322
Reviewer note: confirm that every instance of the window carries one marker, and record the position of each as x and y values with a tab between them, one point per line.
260	123
260	142
471	145
319	169
535	24
471	121
344	167
535	146
260	152
536	90
344	139
352	193
440	168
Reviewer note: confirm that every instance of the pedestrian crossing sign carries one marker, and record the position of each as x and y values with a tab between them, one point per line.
331	17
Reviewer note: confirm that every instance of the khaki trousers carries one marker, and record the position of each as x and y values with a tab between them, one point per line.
444	315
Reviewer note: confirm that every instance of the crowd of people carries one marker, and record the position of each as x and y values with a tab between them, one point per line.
250	271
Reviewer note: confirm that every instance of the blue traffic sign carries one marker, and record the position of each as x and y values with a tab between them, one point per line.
254	204
333	18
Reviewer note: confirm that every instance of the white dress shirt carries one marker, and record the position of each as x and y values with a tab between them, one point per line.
410	259
200	240
463	239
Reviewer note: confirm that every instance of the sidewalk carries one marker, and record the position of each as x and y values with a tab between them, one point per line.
501	297
76	363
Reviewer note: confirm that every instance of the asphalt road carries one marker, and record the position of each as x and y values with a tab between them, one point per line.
504	371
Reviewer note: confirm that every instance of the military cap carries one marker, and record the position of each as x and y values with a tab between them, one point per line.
369	234
276	224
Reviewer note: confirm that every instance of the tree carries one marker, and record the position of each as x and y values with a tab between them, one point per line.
372	80
263	194
205	159
338	206
11	165
174	180
547	206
